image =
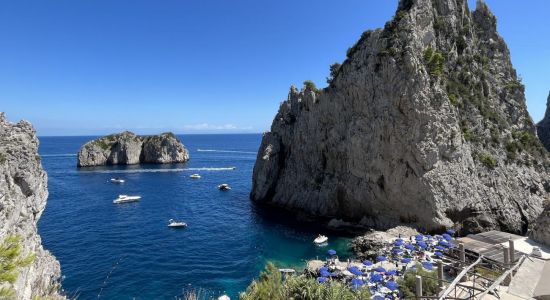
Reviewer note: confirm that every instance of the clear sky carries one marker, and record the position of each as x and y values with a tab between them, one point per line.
193	66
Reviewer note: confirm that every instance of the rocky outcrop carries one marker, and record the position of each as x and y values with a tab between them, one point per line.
541	228
424	123
543	127
126	148
23	194
372	243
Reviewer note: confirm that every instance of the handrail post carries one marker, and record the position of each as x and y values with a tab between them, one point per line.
418	287
440	274
462	260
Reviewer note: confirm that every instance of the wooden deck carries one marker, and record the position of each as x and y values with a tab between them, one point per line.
490	244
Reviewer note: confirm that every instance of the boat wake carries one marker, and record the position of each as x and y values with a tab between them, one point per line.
225	151
157	170
59	155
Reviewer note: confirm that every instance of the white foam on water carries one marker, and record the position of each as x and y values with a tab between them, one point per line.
59	155
225	151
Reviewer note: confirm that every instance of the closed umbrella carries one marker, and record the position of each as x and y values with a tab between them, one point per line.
397	251
440	248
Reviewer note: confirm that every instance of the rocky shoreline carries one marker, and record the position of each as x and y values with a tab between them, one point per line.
127	148
23	195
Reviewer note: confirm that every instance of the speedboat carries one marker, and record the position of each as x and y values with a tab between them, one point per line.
175	224
320	239
117	180
224	187
126	198
195	176
224	297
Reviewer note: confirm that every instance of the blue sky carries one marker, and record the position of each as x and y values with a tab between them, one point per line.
201	66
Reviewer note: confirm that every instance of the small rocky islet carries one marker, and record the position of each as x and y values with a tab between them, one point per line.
127	148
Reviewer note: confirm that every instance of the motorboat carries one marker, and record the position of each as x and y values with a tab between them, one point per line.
320	239
224	297
176	224
126	198
224	187
195	176
117	180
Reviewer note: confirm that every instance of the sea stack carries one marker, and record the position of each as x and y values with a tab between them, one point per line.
424	124
23	195
127	148
543	127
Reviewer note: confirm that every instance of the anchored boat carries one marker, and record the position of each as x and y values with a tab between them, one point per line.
125	199
320	239
117	180
224	187
176	224
195	176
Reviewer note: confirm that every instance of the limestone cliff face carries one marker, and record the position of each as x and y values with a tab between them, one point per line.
543	127
126	148
541	228
425	123
23	194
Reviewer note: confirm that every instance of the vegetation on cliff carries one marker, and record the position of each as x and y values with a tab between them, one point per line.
11	260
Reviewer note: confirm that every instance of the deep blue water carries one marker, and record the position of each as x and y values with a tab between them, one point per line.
127	251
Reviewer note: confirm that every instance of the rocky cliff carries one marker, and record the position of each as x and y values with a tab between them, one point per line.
541	228
23	194
543	127
126	148
424	123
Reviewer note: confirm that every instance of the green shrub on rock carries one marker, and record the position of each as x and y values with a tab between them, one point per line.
10	263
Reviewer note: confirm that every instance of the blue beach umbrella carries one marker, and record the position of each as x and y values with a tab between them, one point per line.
355	271
422	245
447	237
440	248
377	297
333	274
391	272
409	247
419	237
397	251
392	285
322	279
428	237
451	231
427	265
398	242
444	244
380	269
376	278
406	260
356	282
438	254
331	252
367	263
325	273
321	269
381	258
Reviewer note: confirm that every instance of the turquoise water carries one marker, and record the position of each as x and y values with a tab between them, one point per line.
127	252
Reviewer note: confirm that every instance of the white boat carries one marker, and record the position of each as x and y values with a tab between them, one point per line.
175	224
117	180
195	176
224	297
320	239
126	198
224	187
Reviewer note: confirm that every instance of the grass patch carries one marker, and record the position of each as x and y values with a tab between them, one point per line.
488	160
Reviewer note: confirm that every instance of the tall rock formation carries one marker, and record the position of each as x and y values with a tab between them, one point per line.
126	148
425	123
543	127
23	194
541	228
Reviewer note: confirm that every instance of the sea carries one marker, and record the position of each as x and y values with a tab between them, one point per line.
126	251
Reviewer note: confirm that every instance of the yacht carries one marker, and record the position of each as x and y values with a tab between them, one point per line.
126	198
195	176
117	180
175	224
321	239
224	187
